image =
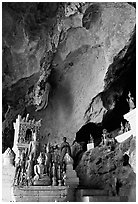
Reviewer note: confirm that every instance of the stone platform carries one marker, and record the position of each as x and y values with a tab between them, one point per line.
39	194
97	195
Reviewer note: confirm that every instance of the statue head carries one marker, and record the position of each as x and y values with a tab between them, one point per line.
40	159
64	139
104	131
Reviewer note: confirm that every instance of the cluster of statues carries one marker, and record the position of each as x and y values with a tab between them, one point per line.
48	167
108	140
42	168
125	127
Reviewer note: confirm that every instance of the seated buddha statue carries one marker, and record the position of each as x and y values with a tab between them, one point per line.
40	178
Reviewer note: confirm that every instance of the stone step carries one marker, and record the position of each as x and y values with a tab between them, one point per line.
25	199
41	188
104	199
39	193
39	199
92	192
51	198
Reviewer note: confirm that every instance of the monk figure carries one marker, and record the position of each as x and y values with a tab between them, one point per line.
34	148
40	178
65	148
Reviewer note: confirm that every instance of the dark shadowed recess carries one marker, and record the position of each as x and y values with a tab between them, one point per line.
119	81
83	135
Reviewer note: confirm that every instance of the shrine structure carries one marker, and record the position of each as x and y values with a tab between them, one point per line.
43	178
24	128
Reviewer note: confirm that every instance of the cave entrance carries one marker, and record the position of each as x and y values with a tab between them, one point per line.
83	135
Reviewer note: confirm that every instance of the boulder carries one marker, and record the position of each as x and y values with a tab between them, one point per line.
100	168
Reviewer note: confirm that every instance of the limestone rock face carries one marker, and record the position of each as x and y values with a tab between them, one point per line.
79	43
132	154
102	169
81	62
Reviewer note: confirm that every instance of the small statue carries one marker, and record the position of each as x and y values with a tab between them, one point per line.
121	129
59	175
48	159
54	179
39	168
105	135
30	170
64	176
40	178
130	101
91	139
127	127
65	148
34	147
20	170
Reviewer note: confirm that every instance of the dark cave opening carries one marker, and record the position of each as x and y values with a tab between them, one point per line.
83	135
113	118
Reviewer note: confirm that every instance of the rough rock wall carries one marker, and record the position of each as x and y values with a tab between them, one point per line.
103	169
83	39
81	62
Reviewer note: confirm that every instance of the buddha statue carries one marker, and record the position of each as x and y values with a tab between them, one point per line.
40	178
34	147
130	101
48	159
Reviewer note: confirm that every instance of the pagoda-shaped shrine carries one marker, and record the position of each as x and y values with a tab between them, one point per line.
24	129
